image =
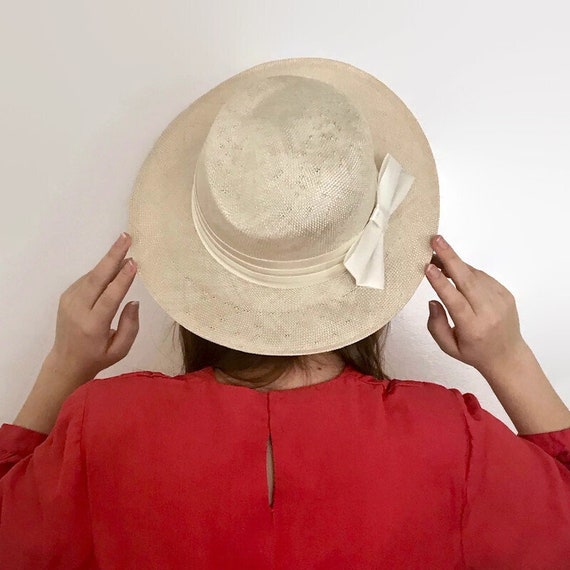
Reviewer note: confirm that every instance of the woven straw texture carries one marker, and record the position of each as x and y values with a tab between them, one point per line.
285	169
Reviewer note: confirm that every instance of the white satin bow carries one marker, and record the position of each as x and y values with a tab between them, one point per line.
365	259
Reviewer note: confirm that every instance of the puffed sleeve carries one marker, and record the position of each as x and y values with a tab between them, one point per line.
516	511
44	508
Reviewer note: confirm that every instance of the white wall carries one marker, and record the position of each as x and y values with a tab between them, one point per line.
87	87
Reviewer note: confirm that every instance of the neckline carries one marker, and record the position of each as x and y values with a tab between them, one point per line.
347	372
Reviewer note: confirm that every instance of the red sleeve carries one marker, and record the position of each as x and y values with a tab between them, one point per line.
44	509
517	494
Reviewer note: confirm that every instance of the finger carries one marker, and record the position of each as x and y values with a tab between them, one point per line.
107	305
126	333
464	276
79	282
439	328
96	281
437	262
455	302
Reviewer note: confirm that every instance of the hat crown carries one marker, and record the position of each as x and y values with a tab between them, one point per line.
287	170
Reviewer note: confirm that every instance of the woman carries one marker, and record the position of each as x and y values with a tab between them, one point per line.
299	453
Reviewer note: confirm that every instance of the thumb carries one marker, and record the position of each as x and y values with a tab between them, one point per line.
440	330
126	333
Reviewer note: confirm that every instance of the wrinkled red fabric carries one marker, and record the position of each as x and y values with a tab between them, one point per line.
149	471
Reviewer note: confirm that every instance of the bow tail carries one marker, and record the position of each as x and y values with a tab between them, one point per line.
365	259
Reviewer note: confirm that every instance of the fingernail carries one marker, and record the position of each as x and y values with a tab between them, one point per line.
432	269
441	242
122	238
432	308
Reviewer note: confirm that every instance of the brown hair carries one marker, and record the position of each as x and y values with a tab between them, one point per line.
365	355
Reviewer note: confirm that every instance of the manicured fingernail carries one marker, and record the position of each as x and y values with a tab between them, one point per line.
432	270
441	242
130	266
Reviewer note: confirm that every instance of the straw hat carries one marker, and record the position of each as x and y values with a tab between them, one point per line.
288	210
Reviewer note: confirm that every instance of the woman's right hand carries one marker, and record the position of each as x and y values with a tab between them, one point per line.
487	330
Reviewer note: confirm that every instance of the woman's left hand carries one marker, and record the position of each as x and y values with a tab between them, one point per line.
85	344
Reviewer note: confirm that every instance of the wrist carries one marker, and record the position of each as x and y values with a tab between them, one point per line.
42	405
524	391
62	371
519	357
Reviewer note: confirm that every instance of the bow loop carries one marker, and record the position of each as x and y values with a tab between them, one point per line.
365	259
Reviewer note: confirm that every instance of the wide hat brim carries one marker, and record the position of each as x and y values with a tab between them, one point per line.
205	298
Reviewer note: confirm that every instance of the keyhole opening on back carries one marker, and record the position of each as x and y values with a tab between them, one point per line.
270	471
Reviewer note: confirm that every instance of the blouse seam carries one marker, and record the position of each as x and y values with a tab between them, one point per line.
466	482
84	463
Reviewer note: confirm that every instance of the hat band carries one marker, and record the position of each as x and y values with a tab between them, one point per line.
278	274
362	256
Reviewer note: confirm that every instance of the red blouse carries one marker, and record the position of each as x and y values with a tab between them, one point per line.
149	471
